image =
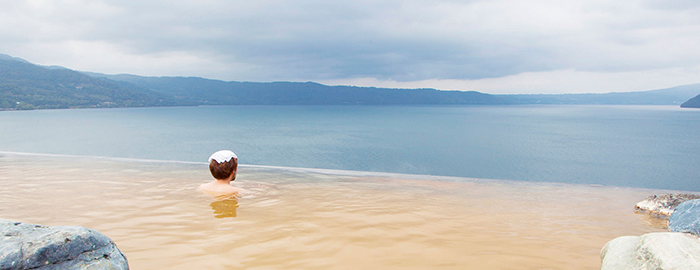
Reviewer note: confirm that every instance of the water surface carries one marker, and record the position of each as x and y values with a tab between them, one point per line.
321	219
634	146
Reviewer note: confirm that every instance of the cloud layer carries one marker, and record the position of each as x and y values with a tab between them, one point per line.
498	46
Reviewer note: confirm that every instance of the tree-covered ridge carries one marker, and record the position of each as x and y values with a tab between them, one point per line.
206	91
692	103
215	92
27	86
24	85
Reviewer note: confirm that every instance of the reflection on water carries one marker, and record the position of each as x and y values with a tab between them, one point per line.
224	207
318	220
654	220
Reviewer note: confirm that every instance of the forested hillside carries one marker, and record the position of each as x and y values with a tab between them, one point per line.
24	85
27	86
206	91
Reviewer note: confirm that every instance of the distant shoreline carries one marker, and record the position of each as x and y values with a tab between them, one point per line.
406	105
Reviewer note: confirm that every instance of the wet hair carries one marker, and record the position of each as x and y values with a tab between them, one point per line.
223	170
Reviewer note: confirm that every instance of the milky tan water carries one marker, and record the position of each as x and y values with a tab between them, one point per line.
305	219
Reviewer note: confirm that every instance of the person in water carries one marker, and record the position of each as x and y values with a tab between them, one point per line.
223	166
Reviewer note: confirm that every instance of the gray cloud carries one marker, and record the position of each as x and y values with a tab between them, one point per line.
400	41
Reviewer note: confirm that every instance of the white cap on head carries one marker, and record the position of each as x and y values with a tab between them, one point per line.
222	156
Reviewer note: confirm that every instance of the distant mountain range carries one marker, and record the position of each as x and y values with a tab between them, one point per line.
27	86
668	96
215	92
24	85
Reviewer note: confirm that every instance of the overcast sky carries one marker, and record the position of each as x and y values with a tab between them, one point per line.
496	46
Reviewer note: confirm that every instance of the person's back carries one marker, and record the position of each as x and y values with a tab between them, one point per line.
223	166
217	189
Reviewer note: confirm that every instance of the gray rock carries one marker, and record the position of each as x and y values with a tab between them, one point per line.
668	250
663	205
31	246
686	218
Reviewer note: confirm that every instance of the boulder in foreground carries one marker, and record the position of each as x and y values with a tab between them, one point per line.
686	218
31	246
667	250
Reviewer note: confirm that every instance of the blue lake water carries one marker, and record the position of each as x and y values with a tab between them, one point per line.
635	146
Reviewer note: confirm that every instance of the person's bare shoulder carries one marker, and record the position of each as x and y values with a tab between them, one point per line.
218	190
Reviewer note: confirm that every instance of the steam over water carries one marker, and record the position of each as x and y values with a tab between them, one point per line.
319	219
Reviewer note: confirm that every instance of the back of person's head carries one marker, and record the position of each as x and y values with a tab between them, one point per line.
222	164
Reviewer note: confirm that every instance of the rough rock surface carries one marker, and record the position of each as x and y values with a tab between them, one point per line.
31	246
668	250
665	204
686	218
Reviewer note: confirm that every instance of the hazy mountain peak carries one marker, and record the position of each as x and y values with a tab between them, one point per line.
10	58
